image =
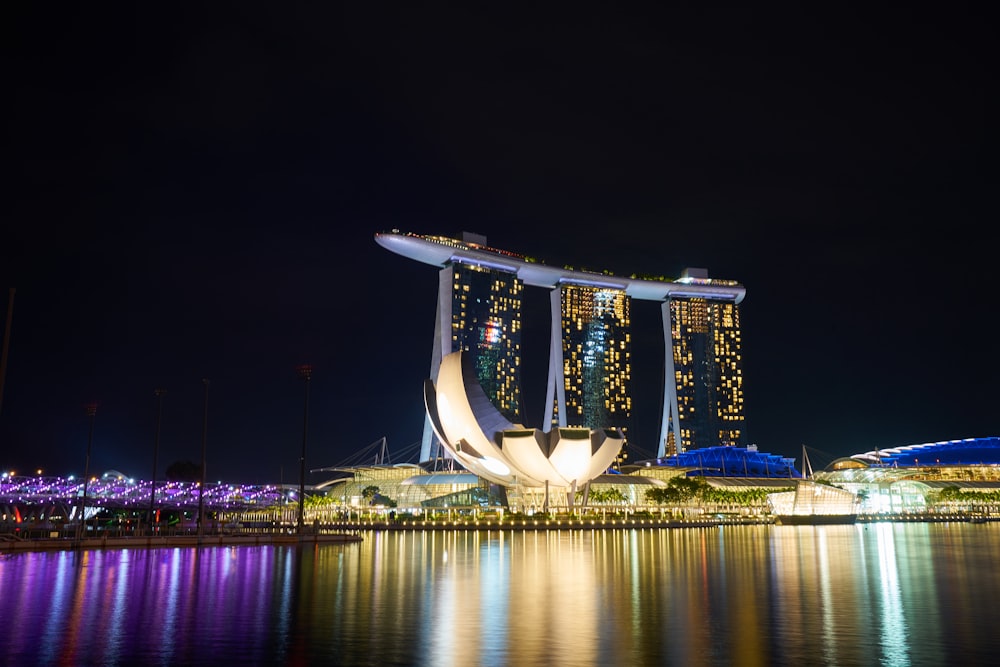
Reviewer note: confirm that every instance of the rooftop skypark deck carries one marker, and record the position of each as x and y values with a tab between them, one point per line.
440	251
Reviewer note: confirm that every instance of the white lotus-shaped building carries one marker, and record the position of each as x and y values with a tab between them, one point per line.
484	442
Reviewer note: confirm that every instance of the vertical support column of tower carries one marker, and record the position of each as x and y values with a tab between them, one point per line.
440	348
555	391
669	421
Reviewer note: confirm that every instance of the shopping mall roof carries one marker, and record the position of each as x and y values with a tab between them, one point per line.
968	451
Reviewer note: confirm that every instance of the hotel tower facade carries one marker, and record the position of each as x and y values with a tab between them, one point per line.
480	291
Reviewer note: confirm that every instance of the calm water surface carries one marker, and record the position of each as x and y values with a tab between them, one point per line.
870	594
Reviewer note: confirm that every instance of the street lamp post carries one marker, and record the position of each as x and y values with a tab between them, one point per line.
201	487
156	450
305	372
6	341
92	413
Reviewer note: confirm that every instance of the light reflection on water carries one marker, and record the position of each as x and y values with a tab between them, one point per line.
870	594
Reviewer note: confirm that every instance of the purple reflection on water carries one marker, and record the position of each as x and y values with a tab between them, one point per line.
164	606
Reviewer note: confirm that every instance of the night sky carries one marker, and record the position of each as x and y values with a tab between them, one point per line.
193	192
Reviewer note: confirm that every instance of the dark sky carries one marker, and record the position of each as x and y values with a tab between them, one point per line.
193	192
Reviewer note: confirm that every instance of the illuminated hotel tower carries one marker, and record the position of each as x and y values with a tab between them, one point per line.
484	320
589	372
589	357
478	310
704	404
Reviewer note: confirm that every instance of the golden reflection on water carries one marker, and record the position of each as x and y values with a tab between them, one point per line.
582	597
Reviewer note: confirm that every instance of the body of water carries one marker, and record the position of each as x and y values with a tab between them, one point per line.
868	594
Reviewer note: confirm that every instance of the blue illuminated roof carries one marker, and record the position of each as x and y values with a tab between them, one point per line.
969	451
732	462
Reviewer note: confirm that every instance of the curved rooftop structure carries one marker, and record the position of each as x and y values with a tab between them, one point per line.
440	251
725	461
971	462
968	451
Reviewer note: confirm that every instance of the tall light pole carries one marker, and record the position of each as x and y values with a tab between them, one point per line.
6	341
201	487
156	450
305	372
92	413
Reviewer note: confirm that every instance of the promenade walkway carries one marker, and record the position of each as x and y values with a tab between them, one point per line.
10	543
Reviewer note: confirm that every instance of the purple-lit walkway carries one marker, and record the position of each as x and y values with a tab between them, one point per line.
121	493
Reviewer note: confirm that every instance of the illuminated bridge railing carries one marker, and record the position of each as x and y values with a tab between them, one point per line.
119	493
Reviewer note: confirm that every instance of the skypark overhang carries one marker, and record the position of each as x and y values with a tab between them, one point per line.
441	254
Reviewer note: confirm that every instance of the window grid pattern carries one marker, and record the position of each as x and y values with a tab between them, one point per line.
708	372
596	343
486	323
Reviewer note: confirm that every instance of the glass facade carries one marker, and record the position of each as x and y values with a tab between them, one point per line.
706	350
596	343
486	324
